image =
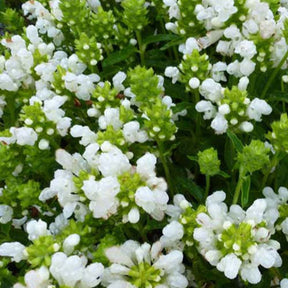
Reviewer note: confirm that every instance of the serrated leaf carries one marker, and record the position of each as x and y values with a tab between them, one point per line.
119	56
159	38
236	141
245	189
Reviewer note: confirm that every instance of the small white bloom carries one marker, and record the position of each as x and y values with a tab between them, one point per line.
35	229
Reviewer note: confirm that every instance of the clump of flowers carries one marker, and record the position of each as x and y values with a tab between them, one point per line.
108	160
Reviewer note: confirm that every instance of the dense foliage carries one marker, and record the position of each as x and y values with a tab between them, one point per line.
143	143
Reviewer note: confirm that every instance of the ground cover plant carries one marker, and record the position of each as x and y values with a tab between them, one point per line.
143	143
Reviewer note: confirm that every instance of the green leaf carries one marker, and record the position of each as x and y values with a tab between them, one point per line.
236	141
245	191
223	174
159	38
172	43
119	56
193	158
278	96
2	5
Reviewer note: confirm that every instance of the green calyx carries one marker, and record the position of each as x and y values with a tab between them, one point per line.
254	156
194	65
88	50
134	14
144	275
41	251
115	137
209	162
279	135
129	183
106	96
188	220
236	239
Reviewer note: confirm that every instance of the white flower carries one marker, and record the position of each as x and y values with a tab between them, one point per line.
6	83
250	273
153	202
127	258
230	265
113	162
172	72
211	90
35	229
146	166
218	70
284	283
70	242
87	136
257	108
194	82
71	271
219	124
190	44
24	135
133	215
14	250
207	107
246	67
35	278
111	117
102	195
132	132
6	213
246	49
74	163
118	79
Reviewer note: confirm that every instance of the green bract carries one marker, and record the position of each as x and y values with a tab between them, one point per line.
254	156
209	162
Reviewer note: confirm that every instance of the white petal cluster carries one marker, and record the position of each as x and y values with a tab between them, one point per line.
35	278
35	229
6	214
72	271
101	194
126	262
15	250
214	108
244	254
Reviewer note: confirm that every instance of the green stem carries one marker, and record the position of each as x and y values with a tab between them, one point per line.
273	75
141	47
239	186
283	102
274	162
207	186
165	166
198	119
11	108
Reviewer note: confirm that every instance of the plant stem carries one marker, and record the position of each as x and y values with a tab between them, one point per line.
207	186
239	186
165	166
274	162
198	120
141	47
11	108
283	102
273	75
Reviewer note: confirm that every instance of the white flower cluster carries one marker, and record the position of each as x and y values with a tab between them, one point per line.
238	254
144	265
101	192
233	113
257	43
